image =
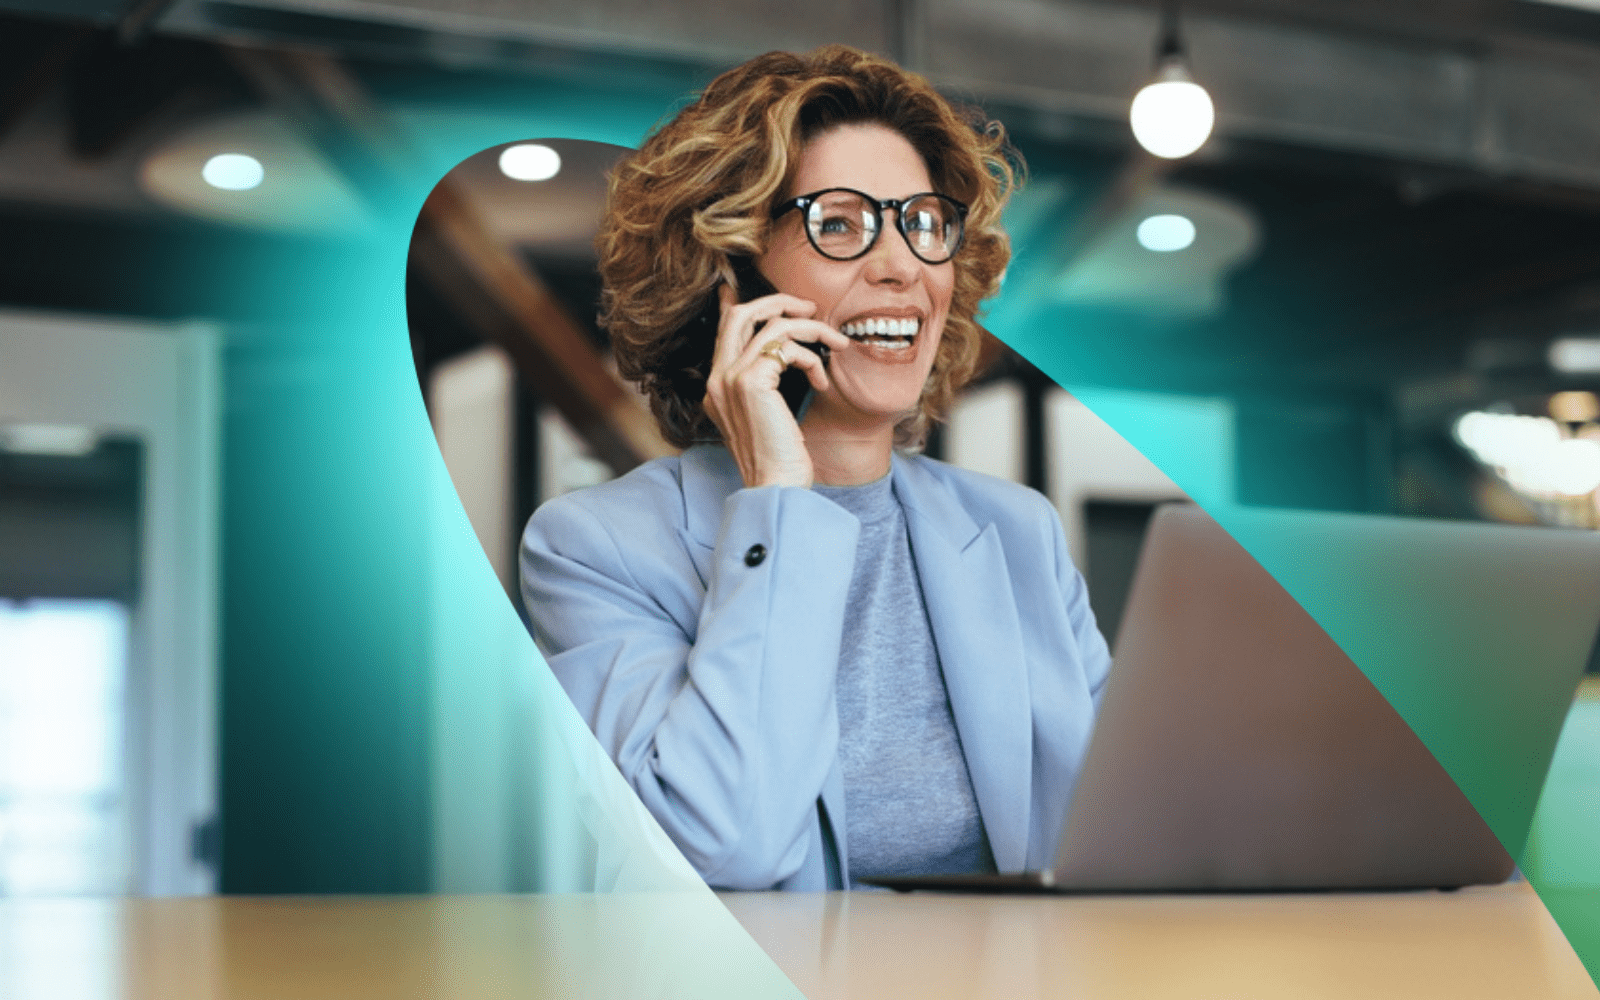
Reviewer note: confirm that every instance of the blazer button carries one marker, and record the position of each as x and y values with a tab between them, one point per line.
754	555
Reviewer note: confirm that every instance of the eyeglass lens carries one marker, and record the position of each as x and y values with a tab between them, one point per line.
843	224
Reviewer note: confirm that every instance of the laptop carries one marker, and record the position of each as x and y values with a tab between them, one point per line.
1237	747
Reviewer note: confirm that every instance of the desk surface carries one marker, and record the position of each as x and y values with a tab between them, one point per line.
1490	942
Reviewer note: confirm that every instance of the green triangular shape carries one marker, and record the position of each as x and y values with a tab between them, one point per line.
1438	655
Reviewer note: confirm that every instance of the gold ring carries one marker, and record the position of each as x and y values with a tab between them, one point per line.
774	350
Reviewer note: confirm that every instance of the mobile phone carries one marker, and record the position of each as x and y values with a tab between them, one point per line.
793	385
695	349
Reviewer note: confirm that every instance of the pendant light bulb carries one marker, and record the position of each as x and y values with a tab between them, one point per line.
1172	116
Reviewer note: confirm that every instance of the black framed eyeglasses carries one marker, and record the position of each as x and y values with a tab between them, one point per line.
843	223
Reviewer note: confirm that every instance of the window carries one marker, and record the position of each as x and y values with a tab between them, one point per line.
63	816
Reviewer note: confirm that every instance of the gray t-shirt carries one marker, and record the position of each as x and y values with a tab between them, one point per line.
909	804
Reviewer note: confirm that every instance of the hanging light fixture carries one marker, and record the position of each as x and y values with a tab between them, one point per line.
1172	116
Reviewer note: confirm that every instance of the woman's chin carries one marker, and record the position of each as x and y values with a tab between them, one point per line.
864	411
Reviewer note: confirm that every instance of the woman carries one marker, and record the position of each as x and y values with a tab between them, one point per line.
816	659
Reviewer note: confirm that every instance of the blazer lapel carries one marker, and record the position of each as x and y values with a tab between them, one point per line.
967	588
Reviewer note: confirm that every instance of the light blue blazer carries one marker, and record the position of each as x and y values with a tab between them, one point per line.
696	626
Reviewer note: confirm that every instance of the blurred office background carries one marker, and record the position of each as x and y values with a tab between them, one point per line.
239	645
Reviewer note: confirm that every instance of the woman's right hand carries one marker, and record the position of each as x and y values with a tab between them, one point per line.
742	396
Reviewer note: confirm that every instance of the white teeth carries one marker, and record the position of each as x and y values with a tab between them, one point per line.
881	327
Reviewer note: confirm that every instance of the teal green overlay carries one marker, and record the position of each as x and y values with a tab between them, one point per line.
387	723
361	616
1439	653
1435	654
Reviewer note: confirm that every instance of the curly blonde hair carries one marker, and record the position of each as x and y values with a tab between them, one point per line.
701	189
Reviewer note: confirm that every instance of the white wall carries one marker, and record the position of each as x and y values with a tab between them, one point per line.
472	402
984	432
1088	460
1085	458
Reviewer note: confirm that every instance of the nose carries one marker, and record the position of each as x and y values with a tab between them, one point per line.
890	261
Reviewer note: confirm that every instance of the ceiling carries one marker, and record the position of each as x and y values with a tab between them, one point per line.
1497	85
1414	188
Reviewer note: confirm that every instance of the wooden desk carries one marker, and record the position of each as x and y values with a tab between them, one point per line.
1492	943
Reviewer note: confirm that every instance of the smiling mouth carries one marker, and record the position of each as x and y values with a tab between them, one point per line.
894	334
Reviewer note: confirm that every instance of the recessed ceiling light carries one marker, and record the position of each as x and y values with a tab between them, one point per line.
1166	233
48	439
1590	5
1575	355
530	161
304	194
233	172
